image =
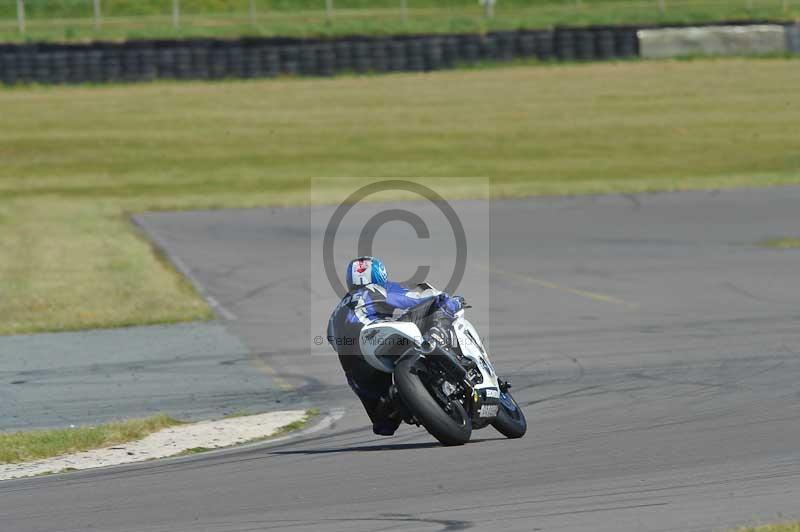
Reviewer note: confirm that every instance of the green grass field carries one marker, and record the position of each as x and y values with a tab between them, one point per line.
781	243
69	20
788	527
18	447
26	446
76	160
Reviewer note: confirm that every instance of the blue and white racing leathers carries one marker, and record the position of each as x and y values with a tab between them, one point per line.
422	304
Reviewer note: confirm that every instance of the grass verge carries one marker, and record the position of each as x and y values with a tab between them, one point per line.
781	243
294	426
77	160
311	413
237	413
787	527
73	21
36	445
195	450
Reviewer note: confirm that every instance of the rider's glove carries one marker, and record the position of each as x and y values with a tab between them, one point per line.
452	305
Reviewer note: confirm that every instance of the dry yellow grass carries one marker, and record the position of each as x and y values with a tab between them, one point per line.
76	160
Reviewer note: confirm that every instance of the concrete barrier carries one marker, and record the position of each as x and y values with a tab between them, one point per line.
712	40
793	39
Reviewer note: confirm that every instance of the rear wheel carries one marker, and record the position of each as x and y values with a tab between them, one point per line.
510	420
447	421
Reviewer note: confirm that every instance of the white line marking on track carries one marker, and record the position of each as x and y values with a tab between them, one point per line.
181	266
325	423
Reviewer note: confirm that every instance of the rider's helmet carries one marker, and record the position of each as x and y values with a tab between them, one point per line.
365	270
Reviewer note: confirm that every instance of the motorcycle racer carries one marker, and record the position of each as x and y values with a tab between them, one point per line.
370	298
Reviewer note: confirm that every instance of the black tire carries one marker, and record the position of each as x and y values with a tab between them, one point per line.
510	420
427	410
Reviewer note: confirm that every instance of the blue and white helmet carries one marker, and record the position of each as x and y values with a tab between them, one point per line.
365	270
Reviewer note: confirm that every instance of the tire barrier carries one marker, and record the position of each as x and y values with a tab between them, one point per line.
343	56
414	55
605	47
564	45
137	61
451	58
584	45
626	42
545	46
361	57
397	56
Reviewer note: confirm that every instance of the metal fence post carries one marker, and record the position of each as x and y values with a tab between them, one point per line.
662	5
329	10
97	19
21	16
176	14
488	8
252	6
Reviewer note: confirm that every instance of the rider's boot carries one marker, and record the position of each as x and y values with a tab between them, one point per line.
386	417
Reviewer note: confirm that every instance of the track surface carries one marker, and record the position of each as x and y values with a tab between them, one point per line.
192	371
654	346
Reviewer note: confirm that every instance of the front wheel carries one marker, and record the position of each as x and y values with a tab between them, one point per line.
510	420
450	423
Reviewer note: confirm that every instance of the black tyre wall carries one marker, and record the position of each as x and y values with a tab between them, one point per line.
103	62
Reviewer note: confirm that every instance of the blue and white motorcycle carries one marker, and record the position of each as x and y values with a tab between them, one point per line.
450	390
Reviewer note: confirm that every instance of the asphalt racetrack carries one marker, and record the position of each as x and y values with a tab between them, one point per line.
653	345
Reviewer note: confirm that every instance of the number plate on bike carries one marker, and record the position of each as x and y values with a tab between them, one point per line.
488	411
